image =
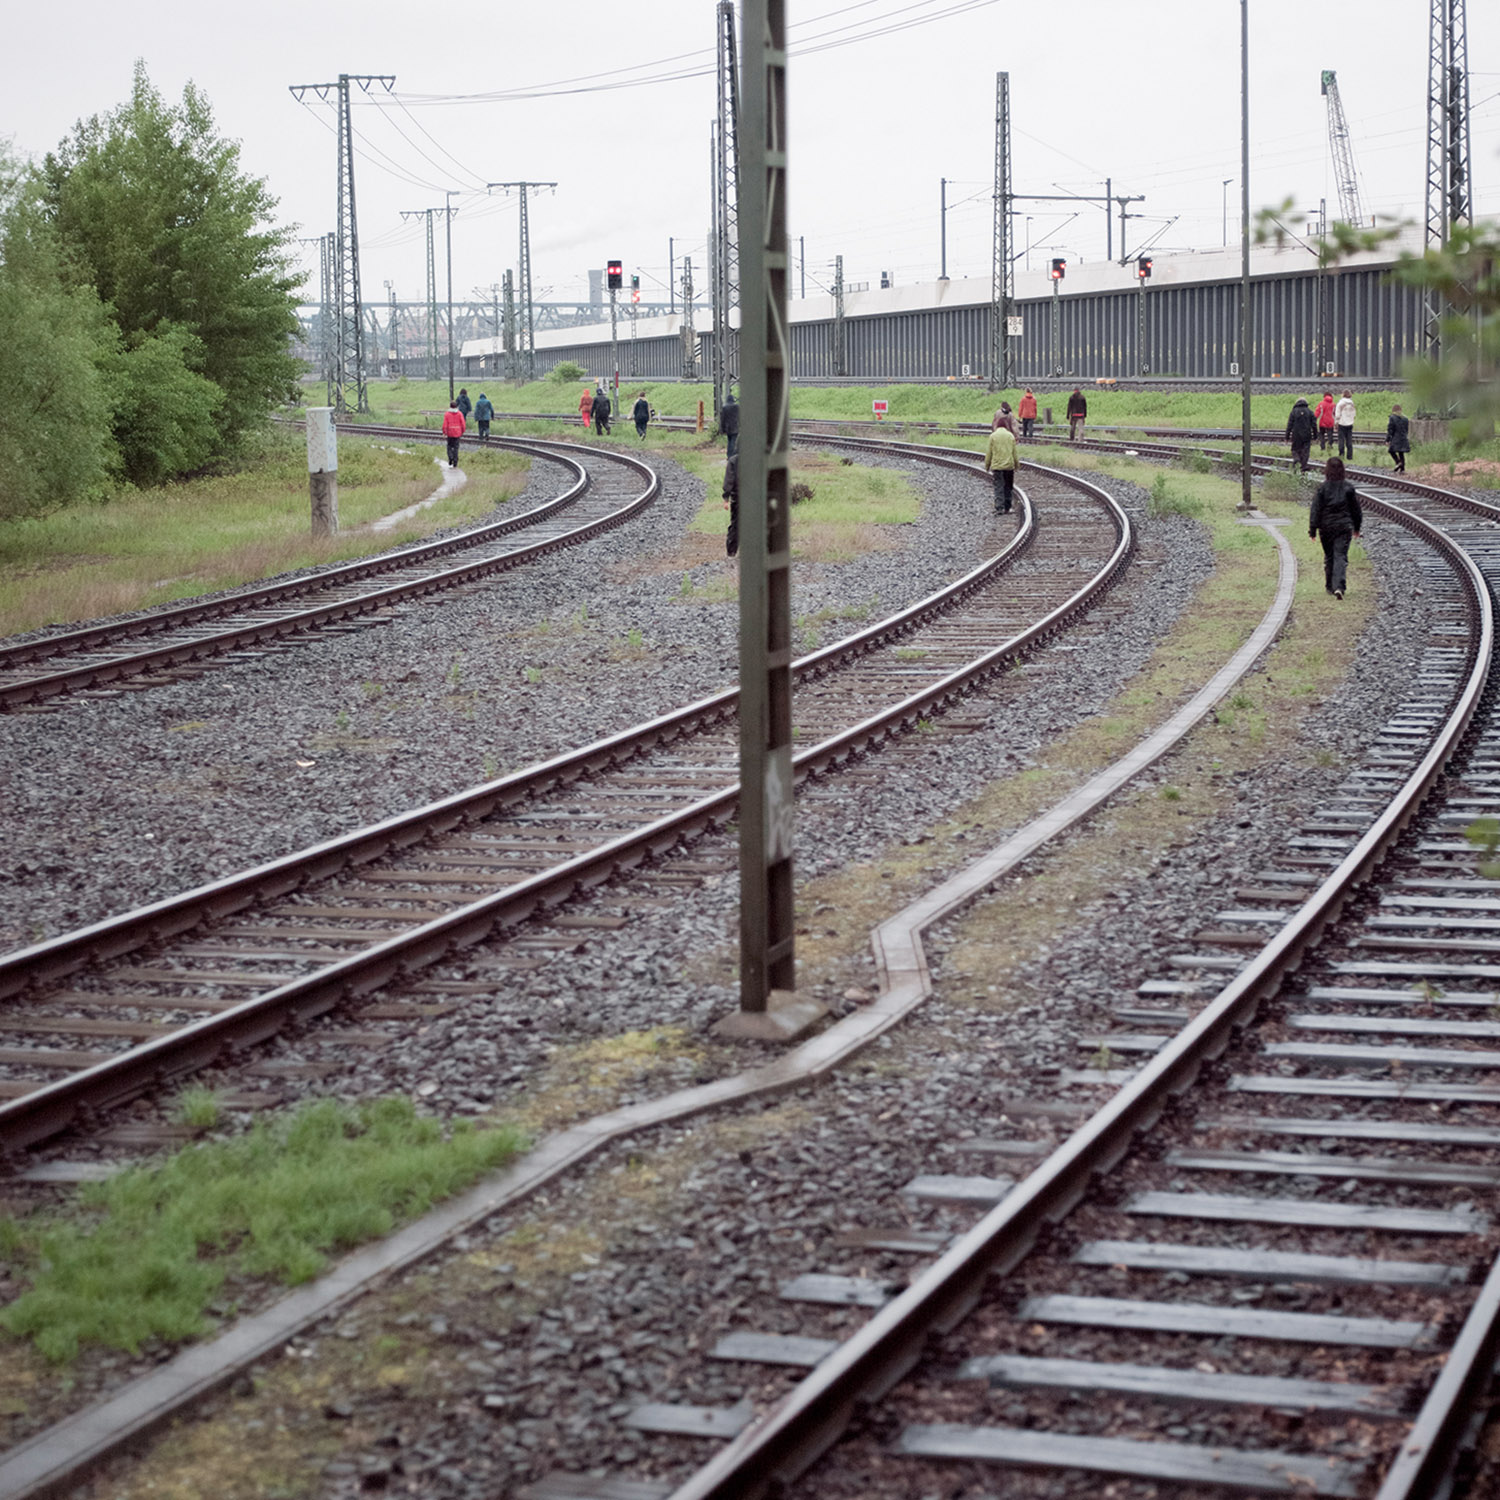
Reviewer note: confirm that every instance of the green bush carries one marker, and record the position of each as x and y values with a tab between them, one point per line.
1285	484
1166	501
566	371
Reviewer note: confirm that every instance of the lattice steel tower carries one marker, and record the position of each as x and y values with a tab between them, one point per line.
348	337
528	308
1448	148
1351	211
1003	274
726	216
839	344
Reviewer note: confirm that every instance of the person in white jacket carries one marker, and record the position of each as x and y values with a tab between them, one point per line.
1343	419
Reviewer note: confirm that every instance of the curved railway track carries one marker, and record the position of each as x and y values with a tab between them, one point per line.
171	988
1214	1259
603	492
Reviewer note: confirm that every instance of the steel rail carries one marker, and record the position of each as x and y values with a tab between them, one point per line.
259	594
57	1105
774	1450
51	684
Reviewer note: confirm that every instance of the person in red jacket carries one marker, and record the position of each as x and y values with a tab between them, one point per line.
586	406
453	429
1324	413
1027	413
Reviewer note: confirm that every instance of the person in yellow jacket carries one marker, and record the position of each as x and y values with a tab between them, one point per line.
1000	460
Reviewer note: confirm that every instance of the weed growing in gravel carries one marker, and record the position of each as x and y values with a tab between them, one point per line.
341	720
1168	501
1325	759
926	726
1241	700
686	589
197	1108
634	638
154	1245
491	768
372	690
1196	461
1171	794
1104	1059
456	672
533	675
910	653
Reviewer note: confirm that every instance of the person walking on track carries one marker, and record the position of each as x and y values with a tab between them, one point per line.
1343	422
1005	418
1301	428
1000	460
1078	414
1398	438
484	414
586	407
729	423
1324	412
1027	411
1336	517
601	411
641	411
463	403
732	503
453	429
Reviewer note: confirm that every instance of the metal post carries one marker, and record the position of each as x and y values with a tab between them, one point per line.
614	347
802	256
634	356
348	344
1056	330
330	250
1246	503
510	327
390	292
432	338
689	337
1002	268
725	253
840	352
671	275
1142	363
1448	144
943	228
448	212
1109	221
528	306
1225	185
767	962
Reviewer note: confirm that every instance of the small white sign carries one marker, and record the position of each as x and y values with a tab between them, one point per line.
964	370
1234	369
1015	327
322	442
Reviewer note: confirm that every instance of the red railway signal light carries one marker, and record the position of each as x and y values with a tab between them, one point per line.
1059	269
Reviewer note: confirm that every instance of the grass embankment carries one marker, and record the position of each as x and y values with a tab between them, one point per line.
181	540
143	1255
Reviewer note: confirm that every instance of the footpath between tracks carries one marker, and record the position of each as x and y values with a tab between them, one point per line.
54	1459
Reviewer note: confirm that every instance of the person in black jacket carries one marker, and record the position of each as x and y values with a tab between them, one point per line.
601	410
642	414
732	503
1078	414
1398	438
463	403
729	423
1336	516
1301	429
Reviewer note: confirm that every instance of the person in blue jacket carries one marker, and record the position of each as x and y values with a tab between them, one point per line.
484	414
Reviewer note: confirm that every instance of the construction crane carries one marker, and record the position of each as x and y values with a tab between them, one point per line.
1350	210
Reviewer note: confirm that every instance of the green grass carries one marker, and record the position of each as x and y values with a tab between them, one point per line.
148	1251
181	540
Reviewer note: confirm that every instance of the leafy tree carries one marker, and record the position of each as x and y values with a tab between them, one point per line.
165	413
152	207
55	413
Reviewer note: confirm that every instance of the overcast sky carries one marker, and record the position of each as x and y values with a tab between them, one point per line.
886	97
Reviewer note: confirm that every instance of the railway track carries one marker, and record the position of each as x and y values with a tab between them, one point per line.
99	1016
1265	1262
602	490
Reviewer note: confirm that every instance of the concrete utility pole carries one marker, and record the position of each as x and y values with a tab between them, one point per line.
323	470
1449	154
528	303
349	370
768	1008
1002	269
840	349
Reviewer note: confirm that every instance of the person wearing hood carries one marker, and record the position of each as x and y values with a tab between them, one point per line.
729	423
1398	439
484	414
453	429
642	414
601	411
1301	429
463	403
1323	411
1336	514
1000	461
1004	418
586	407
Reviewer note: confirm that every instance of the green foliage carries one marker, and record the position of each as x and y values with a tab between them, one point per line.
1286	484
1465	273
198	1108
156	1243
800	492
152	209
566	372
1167	500
166	415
